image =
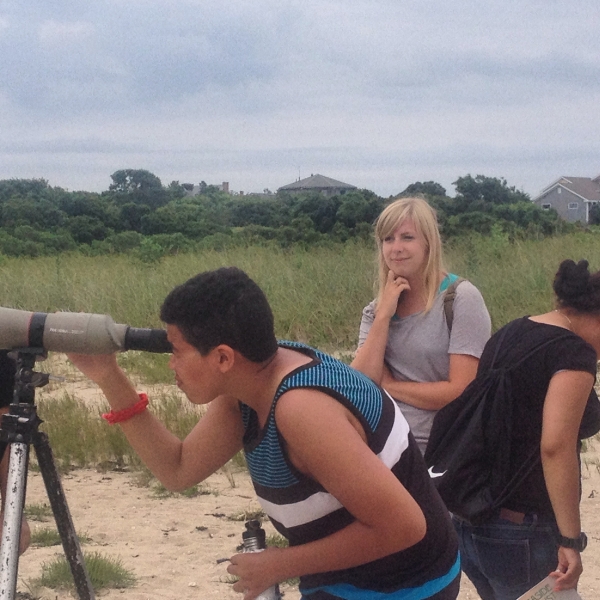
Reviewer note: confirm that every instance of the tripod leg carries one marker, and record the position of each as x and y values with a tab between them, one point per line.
13	515
62	516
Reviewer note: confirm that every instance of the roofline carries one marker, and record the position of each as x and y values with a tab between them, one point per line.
556	182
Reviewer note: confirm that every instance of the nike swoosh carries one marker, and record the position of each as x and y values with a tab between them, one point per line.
433	475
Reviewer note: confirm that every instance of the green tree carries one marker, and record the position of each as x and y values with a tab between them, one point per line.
138	186
77	204
39	213
476	191
427	188
358	206
86	229
320	209
130	216
22	188
267	213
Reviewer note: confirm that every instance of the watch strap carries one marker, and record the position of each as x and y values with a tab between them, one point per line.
578	543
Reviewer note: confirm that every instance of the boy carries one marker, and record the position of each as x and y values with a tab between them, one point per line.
330	455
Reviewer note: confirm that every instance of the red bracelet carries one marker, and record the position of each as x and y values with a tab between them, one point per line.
118	416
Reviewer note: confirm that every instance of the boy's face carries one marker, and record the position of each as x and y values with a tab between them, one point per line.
195	374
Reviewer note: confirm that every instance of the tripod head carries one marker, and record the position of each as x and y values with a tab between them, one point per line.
21	422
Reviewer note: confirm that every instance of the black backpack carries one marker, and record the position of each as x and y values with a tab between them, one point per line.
469	446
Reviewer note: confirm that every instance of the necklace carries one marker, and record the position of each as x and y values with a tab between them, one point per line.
563	315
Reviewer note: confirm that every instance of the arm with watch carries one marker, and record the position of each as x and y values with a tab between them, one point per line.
563	410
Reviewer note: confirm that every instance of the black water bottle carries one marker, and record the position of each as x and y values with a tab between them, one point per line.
255	541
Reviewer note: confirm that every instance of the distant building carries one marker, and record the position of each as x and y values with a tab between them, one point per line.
571	197
318	183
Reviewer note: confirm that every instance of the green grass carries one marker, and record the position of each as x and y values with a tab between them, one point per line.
317	295
47	536
38	512
516	278
104	572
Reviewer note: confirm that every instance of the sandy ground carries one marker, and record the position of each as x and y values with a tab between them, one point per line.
173	545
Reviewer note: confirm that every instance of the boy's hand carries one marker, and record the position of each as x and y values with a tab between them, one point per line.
95	366
256	571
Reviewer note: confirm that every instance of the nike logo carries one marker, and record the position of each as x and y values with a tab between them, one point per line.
433	475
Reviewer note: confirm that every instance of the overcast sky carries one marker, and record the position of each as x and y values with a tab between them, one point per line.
378	94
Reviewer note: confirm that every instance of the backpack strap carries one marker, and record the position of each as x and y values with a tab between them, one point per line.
449	296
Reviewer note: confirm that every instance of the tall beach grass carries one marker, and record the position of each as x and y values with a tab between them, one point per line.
317	295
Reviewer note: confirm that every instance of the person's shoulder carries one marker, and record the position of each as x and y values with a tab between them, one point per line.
465	288
469	299
299	407
562	344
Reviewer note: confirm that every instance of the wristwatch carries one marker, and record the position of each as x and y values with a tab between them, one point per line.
578	543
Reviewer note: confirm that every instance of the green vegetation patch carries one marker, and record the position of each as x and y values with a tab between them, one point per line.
104	572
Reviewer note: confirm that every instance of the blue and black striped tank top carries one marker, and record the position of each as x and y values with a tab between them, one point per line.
303	511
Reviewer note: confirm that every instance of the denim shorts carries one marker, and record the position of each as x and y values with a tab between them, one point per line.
504	559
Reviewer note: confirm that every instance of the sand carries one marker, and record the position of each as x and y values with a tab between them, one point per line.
174	545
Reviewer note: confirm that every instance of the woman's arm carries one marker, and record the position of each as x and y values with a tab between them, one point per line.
177	464
370	356
324	443
563	408
434	395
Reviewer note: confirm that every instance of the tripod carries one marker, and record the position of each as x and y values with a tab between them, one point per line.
20	429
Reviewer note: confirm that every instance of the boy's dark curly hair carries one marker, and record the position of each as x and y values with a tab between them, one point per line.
223	306
575	287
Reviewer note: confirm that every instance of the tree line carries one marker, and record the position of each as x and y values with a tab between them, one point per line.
139	214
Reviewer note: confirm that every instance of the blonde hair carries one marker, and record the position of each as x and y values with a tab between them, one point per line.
424	218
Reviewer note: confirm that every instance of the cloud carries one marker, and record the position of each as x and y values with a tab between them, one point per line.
388	92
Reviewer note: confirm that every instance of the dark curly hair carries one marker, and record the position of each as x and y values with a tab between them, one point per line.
223	306
576	288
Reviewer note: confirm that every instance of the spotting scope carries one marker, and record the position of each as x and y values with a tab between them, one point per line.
80	333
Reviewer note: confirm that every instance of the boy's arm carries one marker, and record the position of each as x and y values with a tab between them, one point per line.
324	443
177	464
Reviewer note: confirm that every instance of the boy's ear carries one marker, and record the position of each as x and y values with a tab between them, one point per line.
223	357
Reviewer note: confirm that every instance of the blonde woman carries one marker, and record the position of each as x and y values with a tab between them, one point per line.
405	342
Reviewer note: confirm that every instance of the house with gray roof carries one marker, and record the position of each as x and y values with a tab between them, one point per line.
571	197
318	183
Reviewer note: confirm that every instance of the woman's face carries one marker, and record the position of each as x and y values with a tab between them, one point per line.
405	251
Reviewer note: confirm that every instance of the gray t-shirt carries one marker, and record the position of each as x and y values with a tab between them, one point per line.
419	346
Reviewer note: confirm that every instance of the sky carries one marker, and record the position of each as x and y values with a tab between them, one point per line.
378	94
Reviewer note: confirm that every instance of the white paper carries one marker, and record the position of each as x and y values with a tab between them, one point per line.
544	590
